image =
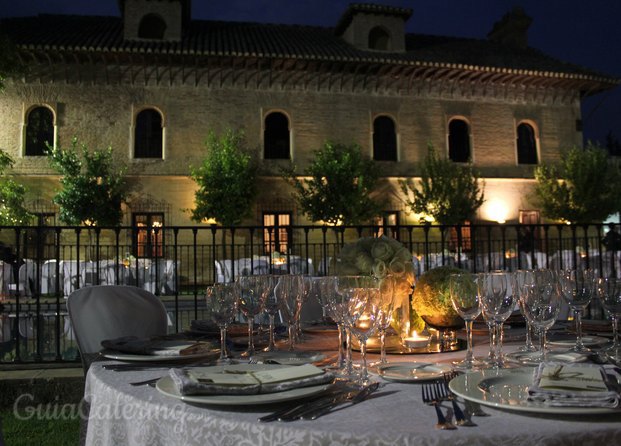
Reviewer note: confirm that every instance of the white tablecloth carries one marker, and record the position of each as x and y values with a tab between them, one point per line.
122	414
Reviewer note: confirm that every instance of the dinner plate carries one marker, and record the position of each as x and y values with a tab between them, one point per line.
166	386
412	371
534	358
111	354
508	389
588	341
289	358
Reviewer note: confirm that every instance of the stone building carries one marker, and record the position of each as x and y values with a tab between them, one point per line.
152	83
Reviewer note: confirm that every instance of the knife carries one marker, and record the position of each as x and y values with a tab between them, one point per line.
289	411
357	397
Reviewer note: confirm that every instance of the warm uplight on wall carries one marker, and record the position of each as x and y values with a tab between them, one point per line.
210	221
496	210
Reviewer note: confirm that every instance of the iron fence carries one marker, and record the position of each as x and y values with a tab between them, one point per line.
42	265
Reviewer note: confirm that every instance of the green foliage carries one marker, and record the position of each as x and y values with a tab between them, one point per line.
448	192
584	188
226	180
26	428
93	187
9	62
338	190
432	296
12	211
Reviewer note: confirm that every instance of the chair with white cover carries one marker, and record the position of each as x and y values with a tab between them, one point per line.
49	278
26	279
105	312
6	277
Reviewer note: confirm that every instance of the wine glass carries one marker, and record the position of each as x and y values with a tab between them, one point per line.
271	307
288	293
467	303
542	305
253	291
521	279
331	301
364	302
385	302
609	292
222	299
497	301
577	288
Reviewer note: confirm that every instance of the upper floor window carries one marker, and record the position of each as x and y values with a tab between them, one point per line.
384	139
379	39
276	139
152	26
39	131
459	141
148	134
526	144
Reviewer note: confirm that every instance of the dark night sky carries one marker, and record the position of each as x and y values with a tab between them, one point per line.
584	32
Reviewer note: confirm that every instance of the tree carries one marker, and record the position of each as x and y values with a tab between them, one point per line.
12	211
9	62
584	188
448	192
94	188
338	190
226	180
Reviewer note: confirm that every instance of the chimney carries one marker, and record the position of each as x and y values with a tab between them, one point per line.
512	29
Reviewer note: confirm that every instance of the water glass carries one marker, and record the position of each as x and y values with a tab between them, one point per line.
288	292
271	307
521	279
497	302
577	288
466	301
253	291
609	292
365	302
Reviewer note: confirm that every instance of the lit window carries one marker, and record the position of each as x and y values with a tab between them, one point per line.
39	131
149	235
276	140
148	135
526	144
459	141
275	234
384	139
152	26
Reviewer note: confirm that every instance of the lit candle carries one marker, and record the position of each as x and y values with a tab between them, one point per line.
416	341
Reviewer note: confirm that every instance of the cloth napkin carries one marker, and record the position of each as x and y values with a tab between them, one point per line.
578	385
157	346
199	381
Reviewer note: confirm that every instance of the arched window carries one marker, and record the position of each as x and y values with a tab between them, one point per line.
459	141
39	131
148	134
276	141
379	39
526	144
384	139
152	26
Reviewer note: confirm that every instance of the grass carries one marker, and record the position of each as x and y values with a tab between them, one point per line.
43	428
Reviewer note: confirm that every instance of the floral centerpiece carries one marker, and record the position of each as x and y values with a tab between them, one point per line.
432	298
380	257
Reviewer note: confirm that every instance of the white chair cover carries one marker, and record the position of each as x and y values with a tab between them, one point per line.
107	312
48	277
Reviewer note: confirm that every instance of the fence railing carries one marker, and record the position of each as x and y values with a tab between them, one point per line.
41	266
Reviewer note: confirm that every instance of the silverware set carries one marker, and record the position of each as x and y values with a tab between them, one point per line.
435	393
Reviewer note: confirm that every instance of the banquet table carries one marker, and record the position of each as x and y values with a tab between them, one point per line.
395	415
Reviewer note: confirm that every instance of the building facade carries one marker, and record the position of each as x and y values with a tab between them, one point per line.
153	82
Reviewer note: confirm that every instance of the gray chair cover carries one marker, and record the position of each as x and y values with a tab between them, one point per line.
107	312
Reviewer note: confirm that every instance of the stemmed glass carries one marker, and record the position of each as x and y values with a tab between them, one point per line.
542	305
365	301
288	293
222	299
609	292
271	307
577	288
253	291
521	279
466	301
385	302
498	302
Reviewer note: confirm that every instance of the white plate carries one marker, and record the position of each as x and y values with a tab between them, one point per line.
289	358
534	358
588	341
166	386
412	371
507	389
110	354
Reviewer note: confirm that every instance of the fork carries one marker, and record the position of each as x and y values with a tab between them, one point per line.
430	398
445	394
472	408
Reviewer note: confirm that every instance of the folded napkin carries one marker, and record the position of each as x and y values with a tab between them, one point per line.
157	346
203	381
579	385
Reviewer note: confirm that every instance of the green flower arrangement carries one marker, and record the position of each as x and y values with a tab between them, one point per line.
432	298
380	257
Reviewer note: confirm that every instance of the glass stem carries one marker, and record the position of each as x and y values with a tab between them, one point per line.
349	367
615	333
542	344
223	352
578	319
529	337
364	376
250	338
492	340
341	360
271	347
469	353
291	335
383	359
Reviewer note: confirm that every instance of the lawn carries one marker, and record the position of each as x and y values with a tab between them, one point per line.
45	429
